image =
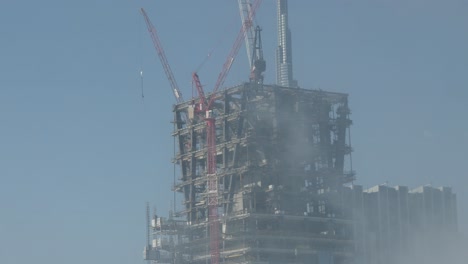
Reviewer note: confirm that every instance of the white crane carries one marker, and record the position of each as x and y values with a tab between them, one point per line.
244	9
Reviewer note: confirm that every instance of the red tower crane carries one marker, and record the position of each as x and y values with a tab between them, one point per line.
162	58
206	107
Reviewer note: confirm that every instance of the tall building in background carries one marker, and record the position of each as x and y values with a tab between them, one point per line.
405	226
284	65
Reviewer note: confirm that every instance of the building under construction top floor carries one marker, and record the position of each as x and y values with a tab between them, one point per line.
280	167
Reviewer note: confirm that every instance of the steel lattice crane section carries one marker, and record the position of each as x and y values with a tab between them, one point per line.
162	58
244	9
235	49
205	106
258	64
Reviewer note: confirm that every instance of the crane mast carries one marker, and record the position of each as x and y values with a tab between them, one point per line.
213	221
258	63
206	107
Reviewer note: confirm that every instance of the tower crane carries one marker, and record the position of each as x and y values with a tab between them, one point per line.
258	63
162	58
244	10
253	43
205	107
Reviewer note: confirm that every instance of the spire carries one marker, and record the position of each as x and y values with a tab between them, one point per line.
284	75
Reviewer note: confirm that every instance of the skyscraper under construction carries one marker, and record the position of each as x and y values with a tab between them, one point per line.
282	174
280	168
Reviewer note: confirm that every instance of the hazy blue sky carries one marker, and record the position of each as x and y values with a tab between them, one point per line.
81	152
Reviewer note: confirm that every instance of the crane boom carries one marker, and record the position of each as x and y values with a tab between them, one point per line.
162	58
201	92
244	9
235	49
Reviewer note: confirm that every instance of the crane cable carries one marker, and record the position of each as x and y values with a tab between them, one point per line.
140	57
220	41
141	81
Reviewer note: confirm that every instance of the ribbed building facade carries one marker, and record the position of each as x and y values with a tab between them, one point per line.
400	225
284	63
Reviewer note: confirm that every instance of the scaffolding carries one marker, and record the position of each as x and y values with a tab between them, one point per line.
281	167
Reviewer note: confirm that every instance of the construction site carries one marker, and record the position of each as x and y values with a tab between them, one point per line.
267	177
